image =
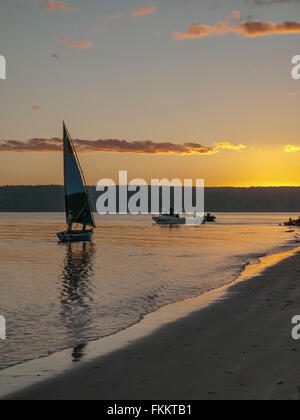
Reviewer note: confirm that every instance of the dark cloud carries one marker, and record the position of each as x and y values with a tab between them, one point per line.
33	145
114	146
250	29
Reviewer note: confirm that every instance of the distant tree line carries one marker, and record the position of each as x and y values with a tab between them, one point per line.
50	198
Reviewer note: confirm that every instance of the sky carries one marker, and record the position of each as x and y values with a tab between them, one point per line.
160	88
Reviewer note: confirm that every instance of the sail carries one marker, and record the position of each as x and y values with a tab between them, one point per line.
76	195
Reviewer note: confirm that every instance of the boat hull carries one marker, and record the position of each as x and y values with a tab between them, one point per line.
209	218
75	236
160	220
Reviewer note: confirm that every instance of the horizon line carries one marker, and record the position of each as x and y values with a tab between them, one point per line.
149	185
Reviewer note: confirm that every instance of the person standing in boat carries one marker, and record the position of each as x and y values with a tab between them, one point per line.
85	221
172	213
70	221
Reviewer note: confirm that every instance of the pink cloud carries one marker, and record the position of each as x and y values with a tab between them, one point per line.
57	5
250	29
235	15
144	11
117	16
36	107
80	45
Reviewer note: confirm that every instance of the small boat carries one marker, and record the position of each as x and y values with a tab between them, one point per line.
77	202
293	222
169	219
75	236
209	218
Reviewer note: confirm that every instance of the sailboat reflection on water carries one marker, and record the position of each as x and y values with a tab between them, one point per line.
76	294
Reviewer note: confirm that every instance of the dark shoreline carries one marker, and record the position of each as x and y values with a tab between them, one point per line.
50	198
237	348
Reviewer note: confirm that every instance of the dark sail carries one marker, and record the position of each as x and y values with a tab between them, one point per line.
76	195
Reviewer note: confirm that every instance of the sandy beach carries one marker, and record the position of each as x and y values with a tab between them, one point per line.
237	348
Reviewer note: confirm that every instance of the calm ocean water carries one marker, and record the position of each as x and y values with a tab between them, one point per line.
56	296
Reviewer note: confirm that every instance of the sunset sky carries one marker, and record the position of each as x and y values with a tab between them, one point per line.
161	88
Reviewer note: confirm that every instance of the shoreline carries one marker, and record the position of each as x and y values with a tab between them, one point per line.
28	380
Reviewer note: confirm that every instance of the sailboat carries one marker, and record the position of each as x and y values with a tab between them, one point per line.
77	202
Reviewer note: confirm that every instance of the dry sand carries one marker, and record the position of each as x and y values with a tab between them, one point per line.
237	348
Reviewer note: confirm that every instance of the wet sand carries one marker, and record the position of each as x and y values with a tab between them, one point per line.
237	348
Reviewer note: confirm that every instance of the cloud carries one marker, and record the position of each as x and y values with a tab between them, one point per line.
229	146
200	31
270	2
36	107
117	15
54	55
289	148
235	15
144	11
99	29
80	45
115	146
250	29
33	145
57	5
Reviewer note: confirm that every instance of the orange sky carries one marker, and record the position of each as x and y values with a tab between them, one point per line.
162	88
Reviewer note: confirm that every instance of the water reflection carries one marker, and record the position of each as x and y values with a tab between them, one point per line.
78	352
76	294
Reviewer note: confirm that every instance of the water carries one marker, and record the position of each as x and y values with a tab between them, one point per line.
57	296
